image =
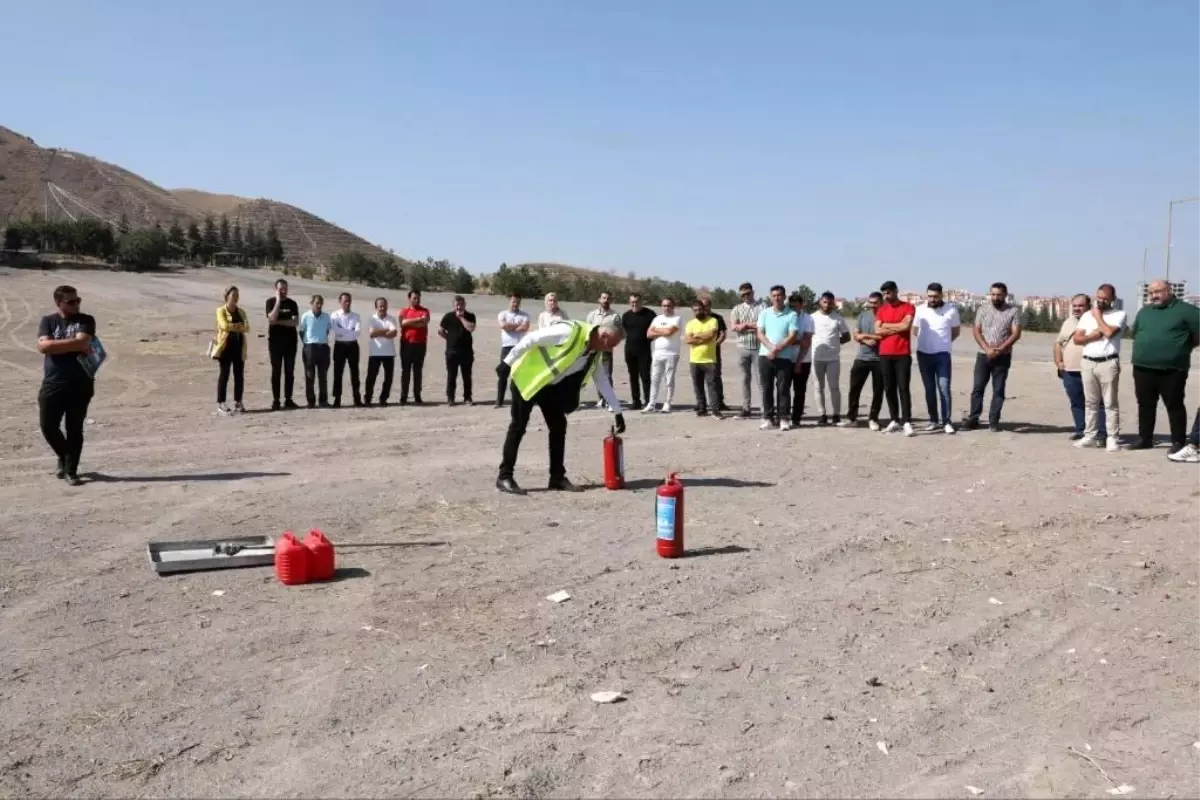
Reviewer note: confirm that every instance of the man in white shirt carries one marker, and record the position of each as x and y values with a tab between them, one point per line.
829	333
1099	331
548	369
664	335
936	325
604	315
346	325
382	330
514	323
553	314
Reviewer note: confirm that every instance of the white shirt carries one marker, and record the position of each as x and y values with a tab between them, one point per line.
934	327
666	346
506	317
805	324
556	335
827	331
548	318
381	345
346	326
1102	348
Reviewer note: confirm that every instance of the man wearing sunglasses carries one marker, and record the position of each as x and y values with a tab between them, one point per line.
63	338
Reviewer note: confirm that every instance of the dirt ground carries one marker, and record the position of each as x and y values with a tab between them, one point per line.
997	611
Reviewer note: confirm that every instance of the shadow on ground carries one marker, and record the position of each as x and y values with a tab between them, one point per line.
100	477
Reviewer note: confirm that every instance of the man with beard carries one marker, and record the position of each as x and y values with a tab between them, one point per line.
548	369
701	334
830	332
893	323
283	316
722	334
937	326
997	328
1068	360
1164	334
414	342
1099	334
866	365
65	340
636	324
604	315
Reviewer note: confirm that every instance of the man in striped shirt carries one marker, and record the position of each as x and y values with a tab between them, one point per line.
745	326
604	315
997	328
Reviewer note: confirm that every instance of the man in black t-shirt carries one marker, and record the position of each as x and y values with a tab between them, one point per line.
456	328
64	338
282	317
636	322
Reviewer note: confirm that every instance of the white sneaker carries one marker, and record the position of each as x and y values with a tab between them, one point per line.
785	426
666	409
650	409
846	423
223	410
931	427
892	427
1188	454
950	429
908	429
872	425
1086	441
767	425
1113	444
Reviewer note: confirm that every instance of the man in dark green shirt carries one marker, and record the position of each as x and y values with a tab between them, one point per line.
1164	334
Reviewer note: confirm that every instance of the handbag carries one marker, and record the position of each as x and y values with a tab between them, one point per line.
211	350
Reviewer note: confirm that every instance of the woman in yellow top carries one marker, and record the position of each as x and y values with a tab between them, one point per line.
232	343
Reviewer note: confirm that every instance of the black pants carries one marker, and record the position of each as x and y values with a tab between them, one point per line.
226	364
345	353
412	361
388	363
501	384
316	371
775	377
59	401
456	363
720	404
1149	385
996	370
859	372
553	402
897	374
283	359
704	384
800	390
638	362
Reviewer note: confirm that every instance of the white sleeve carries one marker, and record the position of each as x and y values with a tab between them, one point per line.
605	388
554	335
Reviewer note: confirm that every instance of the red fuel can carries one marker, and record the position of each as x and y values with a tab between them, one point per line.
291	560
668	511
321	563
614	461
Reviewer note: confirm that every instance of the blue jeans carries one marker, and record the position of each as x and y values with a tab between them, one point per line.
1073	383
935	374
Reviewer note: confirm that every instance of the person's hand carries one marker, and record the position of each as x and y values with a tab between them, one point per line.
1097	313
503	370
620	423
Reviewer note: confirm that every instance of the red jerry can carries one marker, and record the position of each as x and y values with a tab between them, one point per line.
291	560
321	556
614	461
668	508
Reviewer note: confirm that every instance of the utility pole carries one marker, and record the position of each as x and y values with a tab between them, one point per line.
1170	212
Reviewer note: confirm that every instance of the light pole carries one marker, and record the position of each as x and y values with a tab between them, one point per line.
1170	212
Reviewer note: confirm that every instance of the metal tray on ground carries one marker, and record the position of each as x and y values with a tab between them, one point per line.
196	555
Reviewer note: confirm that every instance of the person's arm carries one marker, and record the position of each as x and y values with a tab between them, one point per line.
357	325
523	325
805	345
419	321
441	327
273	305
902	327
1014	335
468	321
844	331
507	327
761	332
977	330
392	328
1059	364
548	337
48	345
304	323
224	324
722	332
375	332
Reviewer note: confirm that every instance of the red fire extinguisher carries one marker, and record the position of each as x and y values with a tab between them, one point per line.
669	516
614	461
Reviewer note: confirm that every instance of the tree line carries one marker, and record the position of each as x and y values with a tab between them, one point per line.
147	248
389	272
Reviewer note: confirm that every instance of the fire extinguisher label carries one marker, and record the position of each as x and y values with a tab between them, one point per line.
666	518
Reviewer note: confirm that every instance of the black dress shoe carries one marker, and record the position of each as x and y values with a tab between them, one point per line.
508	486
1142	444
275	406
337	403
563	485
62	469
289	405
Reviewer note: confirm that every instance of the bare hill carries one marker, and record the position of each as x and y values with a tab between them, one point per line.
91	187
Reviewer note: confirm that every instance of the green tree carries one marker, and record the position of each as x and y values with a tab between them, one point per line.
810	297
177	238
463	282
236	244
211	240
224	228
142	250
12	238
255	246
274	250
195	242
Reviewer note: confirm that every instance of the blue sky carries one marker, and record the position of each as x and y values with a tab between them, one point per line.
838	145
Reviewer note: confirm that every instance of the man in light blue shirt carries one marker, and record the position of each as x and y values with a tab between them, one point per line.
314	333
777	353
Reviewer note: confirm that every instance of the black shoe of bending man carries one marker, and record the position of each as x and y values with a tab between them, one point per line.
563	485
508	486
62	469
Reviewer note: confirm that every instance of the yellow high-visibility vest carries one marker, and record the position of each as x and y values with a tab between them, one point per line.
542	366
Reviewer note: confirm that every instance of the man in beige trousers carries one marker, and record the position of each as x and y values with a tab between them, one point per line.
1099	333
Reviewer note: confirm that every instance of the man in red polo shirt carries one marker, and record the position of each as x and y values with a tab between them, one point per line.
414	337
893	322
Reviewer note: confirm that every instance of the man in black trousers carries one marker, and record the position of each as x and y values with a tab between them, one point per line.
63	339
635	324
457	328
283	315
346	325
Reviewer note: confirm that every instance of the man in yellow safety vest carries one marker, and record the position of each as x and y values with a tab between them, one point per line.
548	369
